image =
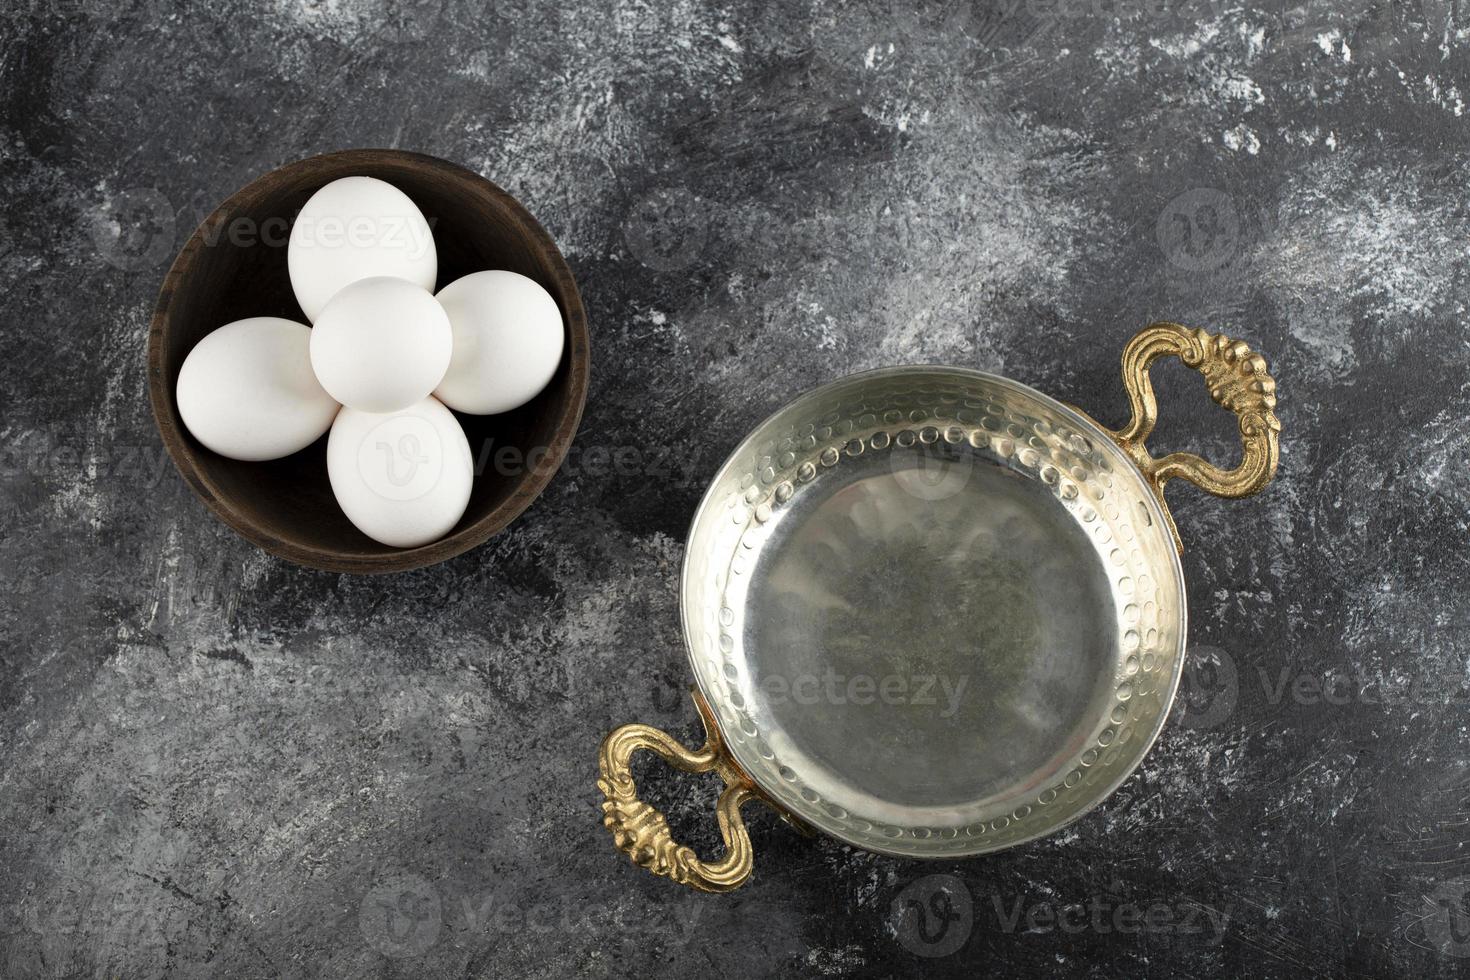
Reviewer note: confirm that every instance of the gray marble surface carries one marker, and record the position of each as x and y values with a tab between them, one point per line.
216	764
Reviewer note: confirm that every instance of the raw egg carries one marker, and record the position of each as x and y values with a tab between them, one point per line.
508	340
354	228
402	478
247	390
381	344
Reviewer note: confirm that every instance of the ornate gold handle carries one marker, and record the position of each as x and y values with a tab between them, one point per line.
1237	379
640	831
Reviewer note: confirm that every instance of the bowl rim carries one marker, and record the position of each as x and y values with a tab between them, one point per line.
530	484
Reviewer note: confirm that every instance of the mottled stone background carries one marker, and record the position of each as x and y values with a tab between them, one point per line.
216	764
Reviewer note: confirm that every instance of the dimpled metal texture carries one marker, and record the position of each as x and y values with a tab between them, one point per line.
936	612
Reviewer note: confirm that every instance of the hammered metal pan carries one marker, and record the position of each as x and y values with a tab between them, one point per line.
933	612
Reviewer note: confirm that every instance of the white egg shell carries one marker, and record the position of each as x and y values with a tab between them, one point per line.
354	228
508	339
247	390
402	478
381	344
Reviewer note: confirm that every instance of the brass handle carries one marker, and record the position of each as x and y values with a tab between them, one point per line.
640	831
1237	379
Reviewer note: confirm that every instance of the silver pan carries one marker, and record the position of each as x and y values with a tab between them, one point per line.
933	612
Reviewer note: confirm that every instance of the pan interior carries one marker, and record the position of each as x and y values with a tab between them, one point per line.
937	612
924	627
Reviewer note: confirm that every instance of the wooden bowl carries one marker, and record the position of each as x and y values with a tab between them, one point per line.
234	266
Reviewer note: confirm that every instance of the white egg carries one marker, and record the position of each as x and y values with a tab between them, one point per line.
247	390
381	344
402	478
508	340
354	228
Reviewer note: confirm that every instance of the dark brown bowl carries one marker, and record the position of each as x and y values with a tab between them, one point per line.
234	266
